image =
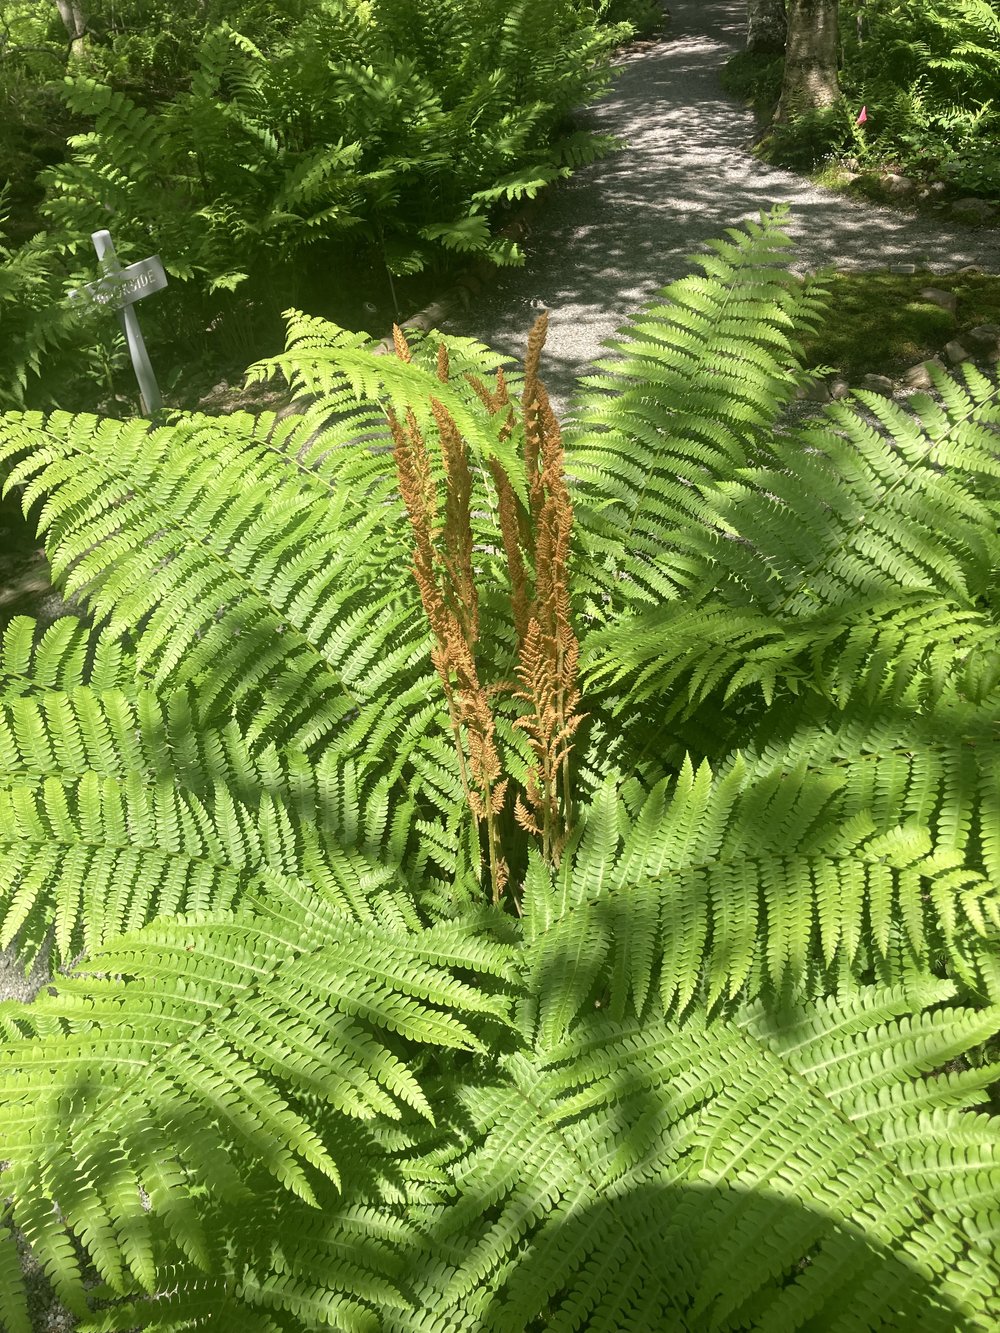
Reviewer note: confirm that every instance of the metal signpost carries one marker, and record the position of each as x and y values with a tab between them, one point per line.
120	288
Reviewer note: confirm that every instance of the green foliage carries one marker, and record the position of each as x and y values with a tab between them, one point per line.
725	1068
926	74
380	139
644	17
809	137
755	78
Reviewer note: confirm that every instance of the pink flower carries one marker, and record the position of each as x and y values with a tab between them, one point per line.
862	116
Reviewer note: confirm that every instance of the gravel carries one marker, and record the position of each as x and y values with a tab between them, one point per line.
621	228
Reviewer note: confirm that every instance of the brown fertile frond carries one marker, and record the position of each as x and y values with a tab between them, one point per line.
536	542
481	392
443	570
549	653
492	400
522	814
544	670
533	355
413	467
413	471
509	508
555	523
457	537
400	344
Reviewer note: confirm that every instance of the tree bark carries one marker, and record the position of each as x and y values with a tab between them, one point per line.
811	50
766	27
74	18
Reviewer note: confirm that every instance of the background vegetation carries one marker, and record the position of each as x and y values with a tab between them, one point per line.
331	153
927	74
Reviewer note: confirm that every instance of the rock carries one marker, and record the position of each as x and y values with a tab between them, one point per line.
919	377
973	210
816	392
946	300
849	177
429	318
969	268
955	352
897	185
296	407
983	335
878	384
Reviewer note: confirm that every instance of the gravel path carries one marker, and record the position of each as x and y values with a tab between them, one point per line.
623	227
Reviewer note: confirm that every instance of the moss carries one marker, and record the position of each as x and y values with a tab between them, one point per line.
878	323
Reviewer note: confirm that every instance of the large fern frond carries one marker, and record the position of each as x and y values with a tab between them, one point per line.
228	1057
700	380
854	563
775	878
633	1176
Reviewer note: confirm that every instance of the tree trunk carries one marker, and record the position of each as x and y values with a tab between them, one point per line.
811	52
766	27
74	19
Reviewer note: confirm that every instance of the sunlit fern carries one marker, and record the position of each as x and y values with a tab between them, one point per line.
725	1070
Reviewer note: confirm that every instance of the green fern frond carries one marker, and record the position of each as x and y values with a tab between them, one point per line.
759	879
323	359
633	1176
703	373
115	808
234	1047
65	655
261	584
938	769
904	650
853	564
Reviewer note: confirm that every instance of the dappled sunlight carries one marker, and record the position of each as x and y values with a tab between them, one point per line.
605	241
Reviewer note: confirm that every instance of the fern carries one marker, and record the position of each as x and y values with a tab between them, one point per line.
285	1029
776	879
390	134
628	1171
702	377
727	1061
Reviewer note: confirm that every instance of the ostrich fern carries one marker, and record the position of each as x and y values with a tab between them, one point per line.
504	877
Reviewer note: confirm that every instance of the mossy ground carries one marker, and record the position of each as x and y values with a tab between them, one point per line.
877	323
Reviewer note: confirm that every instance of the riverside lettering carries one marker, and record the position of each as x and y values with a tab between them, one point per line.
126	286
